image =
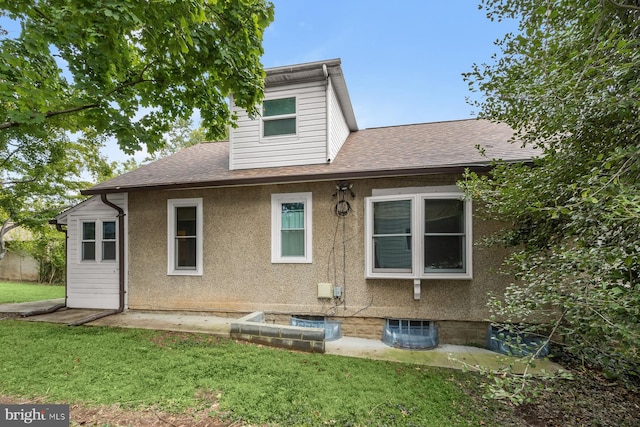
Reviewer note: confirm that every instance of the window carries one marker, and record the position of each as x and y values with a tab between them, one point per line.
184	220
279	117
418	235
89	241
98	241
108	240
291	228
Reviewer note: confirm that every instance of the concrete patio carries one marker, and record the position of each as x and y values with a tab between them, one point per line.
446	356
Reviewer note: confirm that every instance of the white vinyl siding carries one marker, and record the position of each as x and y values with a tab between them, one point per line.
422	235
249	149
338	129
93	283
291	234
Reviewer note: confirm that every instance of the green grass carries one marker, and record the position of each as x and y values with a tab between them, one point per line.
257	385
11	292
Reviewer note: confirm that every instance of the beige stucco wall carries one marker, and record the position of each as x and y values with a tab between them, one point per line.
239	276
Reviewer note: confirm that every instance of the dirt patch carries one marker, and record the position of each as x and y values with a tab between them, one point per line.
587	400
115	416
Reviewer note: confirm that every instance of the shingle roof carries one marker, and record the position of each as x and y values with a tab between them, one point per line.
425	148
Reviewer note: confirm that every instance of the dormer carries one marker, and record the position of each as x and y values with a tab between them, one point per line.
305	118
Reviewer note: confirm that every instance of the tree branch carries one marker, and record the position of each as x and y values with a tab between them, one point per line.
624	6
8	125
5	183
42	14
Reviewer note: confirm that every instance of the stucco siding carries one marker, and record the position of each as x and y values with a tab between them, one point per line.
91	284
239	276
249	149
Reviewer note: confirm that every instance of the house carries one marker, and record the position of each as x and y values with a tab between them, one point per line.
301	214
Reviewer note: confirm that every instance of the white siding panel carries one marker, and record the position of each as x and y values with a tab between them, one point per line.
249	150
92	284
339	130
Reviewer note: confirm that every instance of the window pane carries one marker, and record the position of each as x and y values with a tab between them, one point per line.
292	229
278	107
185	253
279	127
292	216
392	234
109	230
186	221
88	251
392	252
108	251
392	217
88	231
444	253
292	242
443	216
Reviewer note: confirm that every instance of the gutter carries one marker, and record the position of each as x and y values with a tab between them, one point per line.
121	263
66	273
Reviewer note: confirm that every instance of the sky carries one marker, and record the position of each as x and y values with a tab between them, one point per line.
403	61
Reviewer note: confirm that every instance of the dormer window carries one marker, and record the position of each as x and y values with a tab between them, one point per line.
279	117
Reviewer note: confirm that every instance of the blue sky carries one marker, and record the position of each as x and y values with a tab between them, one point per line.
402	60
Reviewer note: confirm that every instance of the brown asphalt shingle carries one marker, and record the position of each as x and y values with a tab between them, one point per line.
389	151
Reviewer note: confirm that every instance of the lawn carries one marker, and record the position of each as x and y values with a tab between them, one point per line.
178	373
11	292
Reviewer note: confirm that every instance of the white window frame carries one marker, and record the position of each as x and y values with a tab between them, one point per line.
279	117
98	240
417	236
172	204
276	224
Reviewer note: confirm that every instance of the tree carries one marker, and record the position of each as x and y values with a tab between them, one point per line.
181	135
39	177
81	72
568	82
130	69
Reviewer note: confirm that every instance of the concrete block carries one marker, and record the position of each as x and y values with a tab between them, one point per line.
250	328
313	334
301	346
317	347
291	333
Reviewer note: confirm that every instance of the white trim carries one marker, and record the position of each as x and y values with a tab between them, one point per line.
417	270
276	220
293	115
172	204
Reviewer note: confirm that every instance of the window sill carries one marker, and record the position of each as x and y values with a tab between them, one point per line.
184	273
434	276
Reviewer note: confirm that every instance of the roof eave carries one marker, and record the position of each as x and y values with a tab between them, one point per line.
314	177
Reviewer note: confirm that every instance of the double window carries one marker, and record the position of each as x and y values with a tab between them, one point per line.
291	228
418	235
184	221
98	242
279	117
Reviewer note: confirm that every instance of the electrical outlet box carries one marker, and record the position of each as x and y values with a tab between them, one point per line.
337	292
325	290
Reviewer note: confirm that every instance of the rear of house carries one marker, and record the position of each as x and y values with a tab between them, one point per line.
302	214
